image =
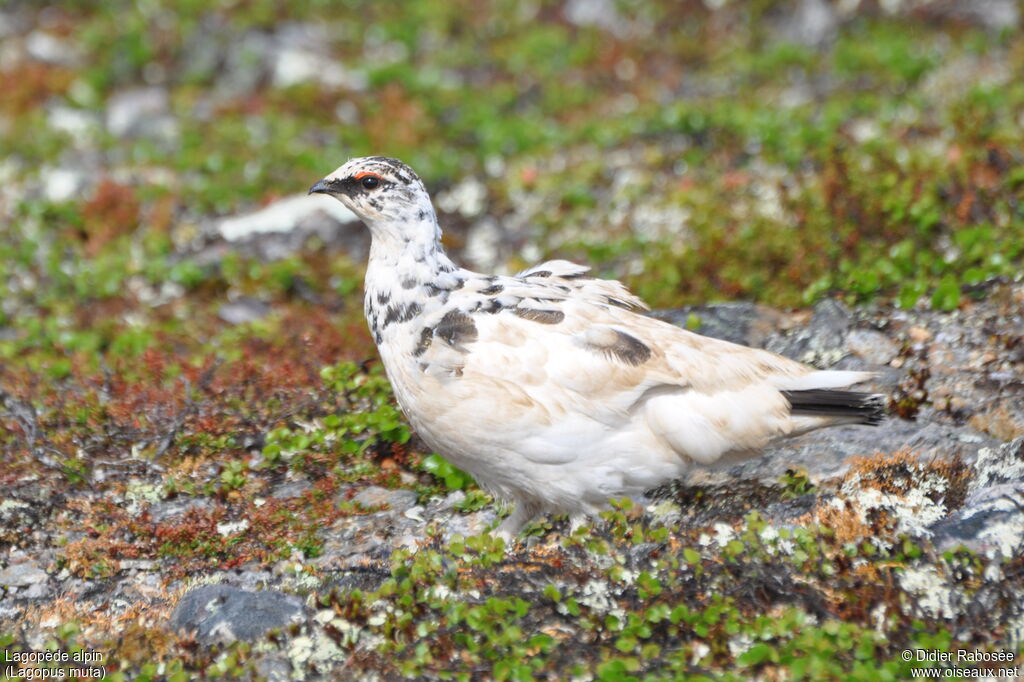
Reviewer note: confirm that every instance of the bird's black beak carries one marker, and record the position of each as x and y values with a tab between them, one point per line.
321	187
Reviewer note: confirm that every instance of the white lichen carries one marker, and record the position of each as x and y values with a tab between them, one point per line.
596	595
933	595
232	527
913	510
724	534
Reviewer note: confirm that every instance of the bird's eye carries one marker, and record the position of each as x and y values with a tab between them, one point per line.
370	182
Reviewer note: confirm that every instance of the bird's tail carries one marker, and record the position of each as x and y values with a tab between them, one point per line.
837	407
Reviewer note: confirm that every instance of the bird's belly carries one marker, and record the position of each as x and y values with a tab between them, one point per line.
563	461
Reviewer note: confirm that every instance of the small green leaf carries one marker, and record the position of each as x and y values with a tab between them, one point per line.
947	294
759	653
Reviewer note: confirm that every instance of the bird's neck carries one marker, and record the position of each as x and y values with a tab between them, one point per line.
406	250
406	269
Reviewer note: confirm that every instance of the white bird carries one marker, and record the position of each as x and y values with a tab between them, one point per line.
551	387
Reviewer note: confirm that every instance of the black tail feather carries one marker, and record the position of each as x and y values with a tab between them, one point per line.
865	408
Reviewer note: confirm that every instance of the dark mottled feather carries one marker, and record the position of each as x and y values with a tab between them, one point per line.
626	348
542	316
401	313
426	337
457	328
866	408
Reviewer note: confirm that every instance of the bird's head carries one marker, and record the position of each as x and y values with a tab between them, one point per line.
384	192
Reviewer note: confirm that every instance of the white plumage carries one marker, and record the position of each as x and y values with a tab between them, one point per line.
552	388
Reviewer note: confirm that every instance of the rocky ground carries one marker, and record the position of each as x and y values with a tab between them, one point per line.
935	490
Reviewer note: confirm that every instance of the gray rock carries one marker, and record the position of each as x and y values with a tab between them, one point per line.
334	226
990	522
473	523
273	667
996	466
283	228
453	498
242	310
252	579
141	112
11	23
745	323
603	14
52	49
80	123
16	513
366	577
283	216
825	453
299	55
811	23
37	591
396	500
62	184
786	510
342	551
163	511
994	15
139	565
224	614
291	489
872	346
821	343
22	575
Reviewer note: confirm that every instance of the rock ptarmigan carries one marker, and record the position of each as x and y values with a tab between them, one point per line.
551	387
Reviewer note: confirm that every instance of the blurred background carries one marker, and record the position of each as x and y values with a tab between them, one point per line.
152	153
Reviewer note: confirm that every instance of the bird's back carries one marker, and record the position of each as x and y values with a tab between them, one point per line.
556	388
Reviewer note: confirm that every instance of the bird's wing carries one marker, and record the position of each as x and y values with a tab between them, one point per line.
555	356
572	276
